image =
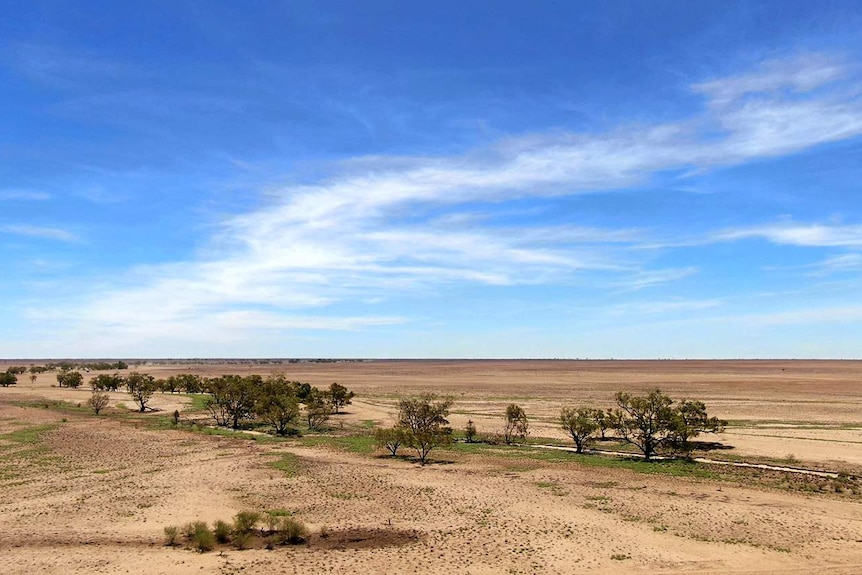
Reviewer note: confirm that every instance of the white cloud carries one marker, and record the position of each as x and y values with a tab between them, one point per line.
375	229
801	74
40	232
796	234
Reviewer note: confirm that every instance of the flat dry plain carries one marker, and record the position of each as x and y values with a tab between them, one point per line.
86	494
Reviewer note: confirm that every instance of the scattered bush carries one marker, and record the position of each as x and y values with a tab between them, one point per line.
189	530
222	531
470	432
241	540
292	531
517	426
172	534
272	520
203	538
391	438
98	401
244	522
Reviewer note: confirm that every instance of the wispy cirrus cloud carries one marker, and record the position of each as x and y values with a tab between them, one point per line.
23	196
798	234
47	233
374	228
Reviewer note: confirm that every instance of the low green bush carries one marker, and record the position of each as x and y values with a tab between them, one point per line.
222	531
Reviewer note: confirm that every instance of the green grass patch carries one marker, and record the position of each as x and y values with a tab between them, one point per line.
361	444
28	435
287	463
198	401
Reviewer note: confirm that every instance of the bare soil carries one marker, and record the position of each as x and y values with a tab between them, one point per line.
86	494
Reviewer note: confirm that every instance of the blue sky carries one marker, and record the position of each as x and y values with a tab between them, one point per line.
447	179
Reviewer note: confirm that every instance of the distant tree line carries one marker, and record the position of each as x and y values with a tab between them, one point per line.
233	400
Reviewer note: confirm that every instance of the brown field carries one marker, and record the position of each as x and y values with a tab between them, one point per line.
82	494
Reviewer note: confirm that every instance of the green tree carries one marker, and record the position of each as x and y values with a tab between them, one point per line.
232	398
339	396
7	379
391	438
141	387
424	420
317	409
107	382
72	379
653	422
516	426
580	424
690	419
276	404
605	420
188	383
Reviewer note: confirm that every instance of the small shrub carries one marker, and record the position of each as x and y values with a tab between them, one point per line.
245	521
189	530
292	531
222	531
241	540
271	520
470	432
203	539
98	401
172	534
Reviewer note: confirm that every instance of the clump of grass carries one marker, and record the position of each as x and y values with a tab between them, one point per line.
324	532
620	556
245	521
292	531
172	534
222	531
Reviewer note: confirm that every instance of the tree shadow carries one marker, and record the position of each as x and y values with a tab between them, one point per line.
711	446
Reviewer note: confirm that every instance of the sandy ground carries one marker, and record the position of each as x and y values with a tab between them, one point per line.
92	495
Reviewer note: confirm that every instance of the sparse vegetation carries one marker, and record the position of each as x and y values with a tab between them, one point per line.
245	521
652	421
8	378
202	538
141	387
581	425
391	438
222	531
423	418
470	431
339	396
516	426
98	401
172	535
